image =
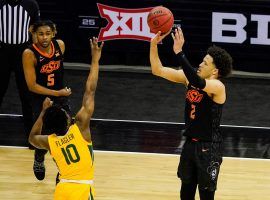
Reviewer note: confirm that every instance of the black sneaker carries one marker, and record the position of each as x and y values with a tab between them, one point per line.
39	167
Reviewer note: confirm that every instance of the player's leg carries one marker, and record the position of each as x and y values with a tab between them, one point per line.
23	91
188	191
187	172
209	159
206	194
39	155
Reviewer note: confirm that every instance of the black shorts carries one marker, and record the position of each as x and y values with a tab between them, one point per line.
200	163
37	103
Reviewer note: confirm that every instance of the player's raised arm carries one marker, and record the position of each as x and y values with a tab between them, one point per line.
85	113
157	68
35	137
189	71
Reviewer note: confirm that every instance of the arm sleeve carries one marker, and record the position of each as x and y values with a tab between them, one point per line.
190	72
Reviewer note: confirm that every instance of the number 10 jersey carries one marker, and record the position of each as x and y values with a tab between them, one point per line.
73	155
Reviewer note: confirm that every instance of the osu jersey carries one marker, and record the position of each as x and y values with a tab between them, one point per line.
49	67
73	155
202	116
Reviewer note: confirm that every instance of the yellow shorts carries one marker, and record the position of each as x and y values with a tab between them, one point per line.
74	191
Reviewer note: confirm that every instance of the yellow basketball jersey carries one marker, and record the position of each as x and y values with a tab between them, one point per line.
73	155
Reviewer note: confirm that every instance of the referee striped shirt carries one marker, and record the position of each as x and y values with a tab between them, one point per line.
15	19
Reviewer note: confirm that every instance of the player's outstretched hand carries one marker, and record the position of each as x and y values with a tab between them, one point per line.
178	40
96	49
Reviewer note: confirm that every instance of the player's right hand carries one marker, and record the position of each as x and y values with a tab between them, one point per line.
64	92
158	37
47	103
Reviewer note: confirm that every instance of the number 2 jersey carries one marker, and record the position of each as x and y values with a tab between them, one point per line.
73	155
202	116
49	67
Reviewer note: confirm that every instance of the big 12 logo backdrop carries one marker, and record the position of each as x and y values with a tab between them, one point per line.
124	23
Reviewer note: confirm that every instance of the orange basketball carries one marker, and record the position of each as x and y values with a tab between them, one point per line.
160	19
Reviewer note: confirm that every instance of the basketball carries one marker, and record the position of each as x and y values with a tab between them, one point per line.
160	19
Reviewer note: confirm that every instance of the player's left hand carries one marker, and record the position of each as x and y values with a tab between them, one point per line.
95	49
47	103
178	40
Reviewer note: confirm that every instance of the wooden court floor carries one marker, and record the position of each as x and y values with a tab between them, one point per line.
132	176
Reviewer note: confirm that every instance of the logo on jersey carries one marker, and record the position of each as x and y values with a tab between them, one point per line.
194	96
213	170
57	54
41	58
124	23
50	67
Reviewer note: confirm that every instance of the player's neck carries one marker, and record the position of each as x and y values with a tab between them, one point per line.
46	50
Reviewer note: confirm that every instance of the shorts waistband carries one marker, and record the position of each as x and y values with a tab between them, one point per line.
191	139
89	182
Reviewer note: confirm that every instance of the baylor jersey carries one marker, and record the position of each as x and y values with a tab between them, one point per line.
73	155
202	116
49	67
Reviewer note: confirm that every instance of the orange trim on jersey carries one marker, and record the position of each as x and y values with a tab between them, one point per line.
44	53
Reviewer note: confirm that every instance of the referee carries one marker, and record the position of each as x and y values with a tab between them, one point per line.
16	17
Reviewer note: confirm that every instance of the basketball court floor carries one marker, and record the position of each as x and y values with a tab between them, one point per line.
138	160
137	157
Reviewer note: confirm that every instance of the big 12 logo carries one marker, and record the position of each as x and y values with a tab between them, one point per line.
124	23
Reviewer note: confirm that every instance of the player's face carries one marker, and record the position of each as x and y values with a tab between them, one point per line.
207	68
44	36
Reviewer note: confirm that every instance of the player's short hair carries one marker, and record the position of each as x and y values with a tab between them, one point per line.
222	60
55	120
44	23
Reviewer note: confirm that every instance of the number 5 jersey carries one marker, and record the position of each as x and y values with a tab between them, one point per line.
49	67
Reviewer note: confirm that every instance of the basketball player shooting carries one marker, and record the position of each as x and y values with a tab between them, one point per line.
205	96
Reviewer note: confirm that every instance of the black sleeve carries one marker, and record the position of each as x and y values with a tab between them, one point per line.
190	72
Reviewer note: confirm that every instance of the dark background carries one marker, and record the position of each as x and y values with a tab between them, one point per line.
140	96
144	97
196	22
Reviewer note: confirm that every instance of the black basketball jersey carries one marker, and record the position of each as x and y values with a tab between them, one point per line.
49	68
202	116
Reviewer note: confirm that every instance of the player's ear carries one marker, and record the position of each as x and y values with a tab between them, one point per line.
215	72
54	31
34	37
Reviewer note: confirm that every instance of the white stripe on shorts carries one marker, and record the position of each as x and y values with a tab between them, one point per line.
89	182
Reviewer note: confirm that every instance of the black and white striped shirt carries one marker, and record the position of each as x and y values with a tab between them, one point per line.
15	19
